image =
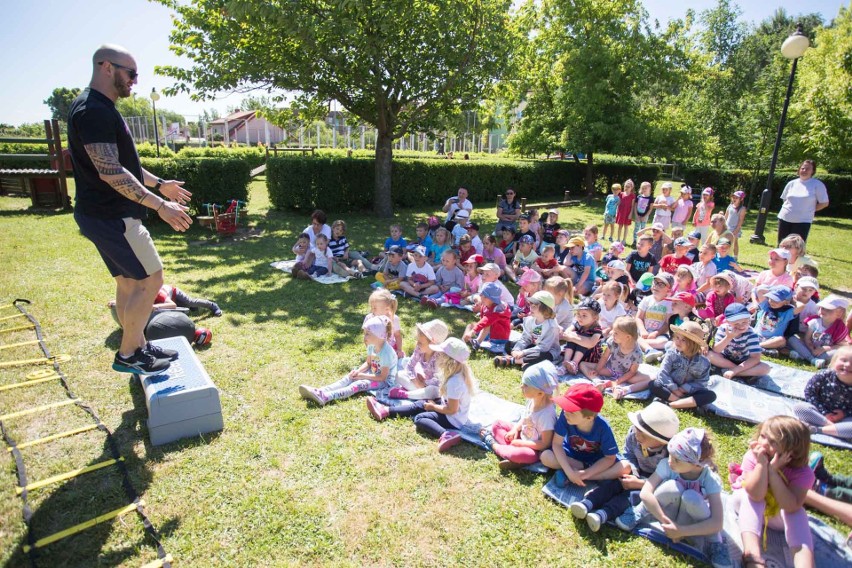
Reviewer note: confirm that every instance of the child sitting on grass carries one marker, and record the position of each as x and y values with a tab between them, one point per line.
685	495
828	396
384	303
653	317
440	420
530	283
378	370
563	298
320	256
584	447
304	259
611	306
419	276
472	281
685	371
803	304
521	443
346	262
719	299
540	338
671	262
495	322
580	267
524	258
593	247
393	272
489	273
546	264
685	281
771	489
776	274
774	314
395	239
736	348
825	333
723	260
508	245
492	253
416	378
440	244
583	338
448	278
618	368
641	260
704	269
644	448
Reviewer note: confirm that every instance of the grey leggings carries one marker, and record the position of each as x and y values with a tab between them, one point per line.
810	415
799	346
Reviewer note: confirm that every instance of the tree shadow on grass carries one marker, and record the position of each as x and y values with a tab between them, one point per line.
96	493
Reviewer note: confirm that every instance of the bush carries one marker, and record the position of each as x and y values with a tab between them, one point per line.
340	183
8	160
254	156
149	150
211	180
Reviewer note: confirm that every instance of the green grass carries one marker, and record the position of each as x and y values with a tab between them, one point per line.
287	483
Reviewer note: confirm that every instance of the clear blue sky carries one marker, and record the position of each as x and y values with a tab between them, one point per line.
30	72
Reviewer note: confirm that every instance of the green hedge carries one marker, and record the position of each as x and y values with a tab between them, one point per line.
211	180
725	182
252	155
339	183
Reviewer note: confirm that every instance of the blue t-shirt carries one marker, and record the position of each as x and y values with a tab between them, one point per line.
724	263
426	243
771	322
612	201
580	264
389	242
587	447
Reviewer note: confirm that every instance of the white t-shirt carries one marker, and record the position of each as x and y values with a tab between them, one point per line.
319	260
656	313
564	314
476	243
534	423
703	272
800	200
309	230
810	309
457	390
663	215
420	275
456	205
607	317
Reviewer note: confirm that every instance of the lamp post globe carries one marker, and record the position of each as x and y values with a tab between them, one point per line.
794	47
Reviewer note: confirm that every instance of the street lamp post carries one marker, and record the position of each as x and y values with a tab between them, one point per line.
793	48
155	96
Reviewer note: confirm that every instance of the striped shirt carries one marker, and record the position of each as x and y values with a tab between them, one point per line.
338	246
740	348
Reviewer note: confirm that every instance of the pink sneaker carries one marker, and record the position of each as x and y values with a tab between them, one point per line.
312	394
377	410
448	440
398	392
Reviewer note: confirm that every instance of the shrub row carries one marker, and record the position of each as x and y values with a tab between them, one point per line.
339	183
211	180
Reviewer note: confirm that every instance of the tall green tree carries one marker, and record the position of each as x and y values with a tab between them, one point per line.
579	76
60	101
398	65
821	111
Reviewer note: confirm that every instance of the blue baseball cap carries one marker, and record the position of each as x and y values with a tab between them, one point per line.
779	294
736	312
492	292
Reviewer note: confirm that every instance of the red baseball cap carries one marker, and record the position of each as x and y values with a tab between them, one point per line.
580	397
684	297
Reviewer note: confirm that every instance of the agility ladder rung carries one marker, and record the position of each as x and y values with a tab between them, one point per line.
40	361
68	475
159	562
83	526
50	438
19	328
21	344
28	383
37	409
13	316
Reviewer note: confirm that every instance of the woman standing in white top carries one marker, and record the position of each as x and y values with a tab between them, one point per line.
802	198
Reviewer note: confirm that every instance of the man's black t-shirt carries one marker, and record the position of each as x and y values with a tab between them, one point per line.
93	119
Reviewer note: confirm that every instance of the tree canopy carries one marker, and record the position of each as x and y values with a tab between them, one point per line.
399	65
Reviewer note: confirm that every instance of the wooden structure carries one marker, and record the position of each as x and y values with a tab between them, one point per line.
46	187
274	150
566	202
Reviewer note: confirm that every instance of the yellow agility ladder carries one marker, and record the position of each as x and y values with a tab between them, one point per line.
53	373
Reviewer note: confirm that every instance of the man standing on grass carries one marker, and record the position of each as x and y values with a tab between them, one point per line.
112	201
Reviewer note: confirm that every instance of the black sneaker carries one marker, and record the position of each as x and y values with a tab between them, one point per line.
217	311
140	363
160	352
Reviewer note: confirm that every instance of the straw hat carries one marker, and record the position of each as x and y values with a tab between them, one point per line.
692	331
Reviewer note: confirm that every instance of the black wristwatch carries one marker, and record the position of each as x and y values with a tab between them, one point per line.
160	181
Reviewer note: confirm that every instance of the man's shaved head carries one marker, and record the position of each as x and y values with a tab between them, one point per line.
110	52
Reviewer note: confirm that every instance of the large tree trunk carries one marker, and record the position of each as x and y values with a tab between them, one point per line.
590	176
382	203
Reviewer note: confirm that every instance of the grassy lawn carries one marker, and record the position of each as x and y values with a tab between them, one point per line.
287	483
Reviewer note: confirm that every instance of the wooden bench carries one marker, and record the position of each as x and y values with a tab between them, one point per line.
274	150
46	187
564	203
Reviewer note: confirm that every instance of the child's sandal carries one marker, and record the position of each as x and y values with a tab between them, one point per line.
749	561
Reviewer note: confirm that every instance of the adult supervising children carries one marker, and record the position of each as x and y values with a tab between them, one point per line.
112	200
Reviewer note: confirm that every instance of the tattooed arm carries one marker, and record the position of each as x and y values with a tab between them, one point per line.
170	188
104	156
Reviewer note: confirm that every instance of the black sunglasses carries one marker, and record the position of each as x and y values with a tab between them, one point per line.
132	73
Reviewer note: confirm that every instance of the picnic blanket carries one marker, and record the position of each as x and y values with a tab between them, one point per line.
485	410
287	266
754	405
645	368
784	380
829	545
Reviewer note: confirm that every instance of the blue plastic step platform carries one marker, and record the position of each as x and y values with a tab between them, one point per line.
182	401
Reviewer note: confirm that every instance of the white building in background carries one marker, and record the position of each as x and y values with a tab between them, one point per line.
245	127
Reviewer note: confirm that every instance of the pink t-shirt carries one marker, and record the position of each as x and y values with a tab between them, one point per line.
681	211
496	256
796	476
766	278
